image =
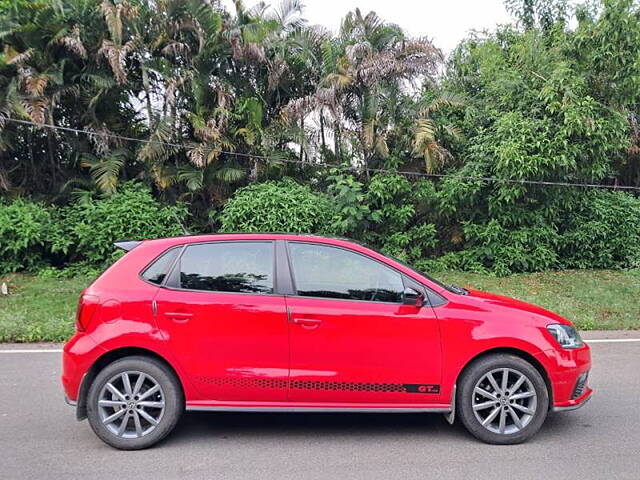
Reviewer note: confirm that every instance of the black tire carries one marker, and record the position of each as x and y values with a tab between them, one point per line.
171	393
474	373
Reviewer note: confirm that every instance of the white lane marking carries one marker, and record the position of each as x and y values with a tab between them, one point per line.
613	340
59	350
40	350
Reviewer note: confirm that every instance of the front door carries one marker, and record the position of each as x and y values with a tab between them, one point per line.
352	339
226	326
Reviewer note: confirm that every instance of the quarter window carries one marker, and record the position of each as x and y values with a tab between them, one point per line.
330	272
242	267
158	270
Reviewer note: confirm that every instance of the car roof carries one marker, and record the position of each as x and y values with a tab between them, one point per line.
251	236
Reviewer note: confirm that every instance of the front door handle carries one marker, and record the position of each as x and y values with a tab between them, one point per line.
180	317
307	322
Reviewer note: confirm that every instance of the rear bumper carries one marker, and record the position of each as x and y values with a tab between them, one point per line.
78	355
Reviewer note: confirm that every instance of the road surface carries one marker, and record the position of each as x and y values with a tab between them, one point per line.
40	438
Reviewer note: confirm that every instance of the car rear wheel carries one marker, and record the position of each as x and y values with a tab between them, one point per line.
134	403
502	399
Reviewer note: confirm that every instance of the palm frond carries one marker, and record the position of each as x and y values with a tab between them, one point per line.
454	131
192	177
230	174
156	148
13	57
73	43
202	154
289	15
447	99
105	171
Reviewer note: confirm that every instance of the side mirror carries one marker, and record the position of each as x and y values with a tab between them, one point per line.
412	297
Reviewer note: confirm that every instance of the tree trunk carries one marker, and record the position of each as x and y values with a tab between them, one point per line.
145	84
52	161
301	141
324	144
336	140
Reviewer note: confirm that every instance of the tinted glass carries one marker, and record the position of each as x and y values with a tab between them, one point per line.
159	269
322	271
228	267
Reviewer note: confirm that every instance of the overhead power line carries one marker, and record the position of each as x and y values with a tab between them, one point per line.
327	165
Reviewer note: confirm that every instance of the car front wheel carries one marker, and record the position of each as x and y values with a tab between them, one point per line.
502	399
134	403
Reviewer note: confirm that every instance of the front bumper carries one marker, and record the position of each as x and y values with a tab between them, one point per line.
575	404
568	374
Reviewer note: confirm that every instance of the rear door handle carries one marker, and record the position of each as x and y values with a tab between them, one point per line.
179	316
307	322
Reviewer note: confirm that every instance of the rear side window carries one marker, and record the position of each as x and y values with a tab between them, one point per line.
158	270
331	272
241	267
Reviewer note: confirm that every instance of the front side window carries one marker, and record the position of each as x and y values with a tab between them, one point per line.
242	267
331	272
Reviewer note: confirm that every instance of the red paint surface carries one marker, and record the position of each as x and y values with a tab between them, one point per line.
275	350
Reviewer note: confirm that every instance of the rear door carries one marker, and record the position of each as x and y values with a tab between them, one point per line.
225	323
352	338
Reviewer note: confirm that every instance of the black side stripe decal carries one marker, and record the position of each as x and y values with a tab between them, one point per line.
320	385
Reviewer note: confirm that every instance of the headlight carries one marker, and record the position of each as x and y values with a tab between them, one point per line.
566	336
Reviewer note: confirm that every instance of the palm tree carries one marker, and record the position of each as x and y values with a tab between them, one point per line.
368	59
428	132
44	77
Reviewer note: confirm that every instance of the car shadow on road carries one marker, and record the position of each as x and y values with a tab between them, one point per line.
203	425
207	426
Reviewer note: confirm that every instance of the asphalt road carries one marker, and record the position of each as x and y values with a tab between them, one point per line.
40	438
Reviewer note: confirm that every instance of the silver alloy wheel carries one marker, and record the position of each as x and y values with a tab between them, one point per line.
504	401
131	404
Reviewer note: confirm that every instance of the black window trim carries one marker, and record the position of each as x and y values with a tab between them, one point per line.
433	298
184	246
293	279
284	284
155	259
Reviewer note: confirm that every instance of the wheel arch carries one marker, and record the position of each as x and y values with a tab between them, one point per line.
108	358
526	356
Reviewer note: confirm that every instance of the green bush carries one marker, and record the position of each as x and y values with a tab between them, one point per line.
86	232
24	229
603	233
352	216
283	206
504	251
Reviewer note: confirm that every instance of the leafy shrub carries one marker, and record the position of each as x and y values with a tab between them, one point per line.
412	244
352	216
283	206
451	261
24	228
73	270
603	233
505	251
391	205
86	232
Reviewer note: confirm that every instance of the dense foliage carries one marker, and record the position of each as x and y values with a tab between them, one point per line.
34	235
24	234
284	206
87	232
224	104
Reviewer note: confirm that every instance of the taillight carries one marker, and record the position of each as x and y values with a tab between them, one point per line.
86	308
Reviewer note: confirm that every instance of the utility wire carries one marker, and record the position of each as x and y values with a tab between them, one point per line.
327	165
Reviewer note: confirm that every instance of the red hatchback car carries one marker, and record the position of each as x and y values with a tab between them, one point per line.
271	322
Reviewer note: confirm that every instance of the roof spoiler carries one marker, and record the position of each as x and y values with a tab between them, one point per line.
127	246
